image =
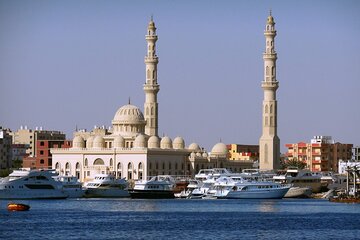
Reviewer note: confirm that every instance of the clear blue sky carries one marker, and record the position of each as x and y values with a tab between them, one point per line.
74	63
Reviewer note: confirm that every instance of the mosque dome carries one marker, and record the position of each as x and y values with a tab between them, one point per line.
128	121
119	141
205	155
165	143
99	142
198	154
129	114
78	142
194	147
89	142
178	143
153	142
140	141
219	150
192	155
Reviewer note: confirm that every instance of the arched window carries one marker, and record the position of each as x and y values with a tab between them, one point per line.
267	70
77	165
86	162
153	74
130	171
77	170
271	108
152	110
111	162
119	170
98	161
266	108
67	165
273	71
140	170
148	74
271	121
57	166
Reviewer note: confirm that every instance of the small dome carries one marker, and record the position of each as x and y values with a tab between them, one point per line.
99	142
205	155
178	143
198	154
89	142
194	147
151	24
154	142
119	141
165	143
128	114
78	142
140	141
220	150
192	155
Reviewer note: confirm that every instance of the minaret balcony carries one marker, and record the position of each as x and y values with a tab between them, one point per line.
151	37
151	59
270	85
272	56
151	88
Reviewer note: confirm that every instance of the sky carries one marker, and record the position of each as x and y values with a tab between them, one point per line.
67	64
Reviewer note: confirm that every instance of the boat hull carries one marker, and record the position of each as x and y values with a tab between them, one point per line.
260	194
298	192
149	194
106	193
33	194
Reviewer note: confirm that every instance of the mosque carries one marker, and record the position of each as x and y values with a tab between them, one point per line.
131	148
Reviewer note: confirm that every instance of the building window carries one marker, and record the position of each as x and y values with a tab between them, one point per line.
42	161
41	152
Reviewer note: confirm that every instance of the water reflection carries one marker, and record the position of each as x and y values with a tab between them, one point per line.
267	206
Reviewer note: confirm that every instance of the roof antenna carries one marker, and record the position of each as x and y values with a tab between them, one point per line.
151	18
270	11
129	101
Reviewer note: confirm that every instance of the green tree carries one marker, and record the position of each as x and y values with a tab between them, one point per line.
294	163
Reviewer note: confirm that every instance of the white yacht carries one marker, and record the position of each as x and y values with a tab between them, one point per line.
31	184
298	192
258	190
161	186
299	178
193	184
107	186
71	186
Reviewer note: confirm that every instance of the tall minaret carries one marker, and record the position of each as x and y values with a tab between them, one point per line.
151	86
269	141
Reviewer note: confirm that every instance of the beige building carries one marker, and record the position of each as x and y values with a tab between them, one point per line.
243	152
321	154
269	141
131	148
29	137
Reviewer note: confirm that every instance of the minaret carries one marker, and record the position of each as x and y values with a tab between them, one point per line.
269	142
151	86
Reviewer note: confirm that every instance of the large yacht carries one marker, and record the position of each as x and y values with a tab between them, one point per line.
299	178
31	184
258	190
71	186
107	186
161	186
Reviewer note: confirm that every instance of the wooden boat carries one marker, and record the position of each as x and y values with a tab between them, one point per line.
18	207
344	199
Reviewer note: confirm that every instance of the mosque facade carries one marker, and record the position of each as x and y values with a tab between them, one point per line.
131	148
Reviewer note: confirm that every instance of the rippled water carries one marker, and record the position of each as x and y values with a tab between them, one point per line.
186	219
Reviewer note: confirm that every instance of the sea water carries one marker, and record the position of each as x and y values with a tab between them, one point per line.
181	219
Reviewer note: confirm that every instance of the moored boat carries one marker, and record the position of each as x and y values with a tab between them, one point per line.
161	186
18	207
298	192
106	186
31	184
258	190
